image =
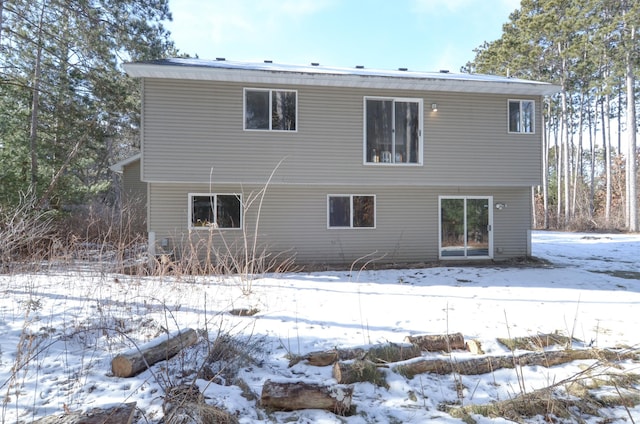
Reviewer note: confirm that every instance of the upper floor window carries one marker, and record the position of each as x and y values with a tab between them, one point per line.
351	211
270	110
393	130
521	116
215	210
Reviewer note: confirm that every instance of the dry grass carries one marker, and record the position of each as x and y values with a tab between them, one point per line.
537	342
586	394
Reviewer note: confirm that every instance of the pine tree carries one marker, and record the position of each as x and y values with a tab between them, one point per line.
64	95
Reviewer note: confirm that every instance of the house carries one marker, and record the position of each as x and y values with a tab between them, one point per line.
132	189
336	164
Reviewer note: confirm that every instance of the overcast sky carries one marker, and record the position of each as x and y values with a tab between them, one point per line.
422	35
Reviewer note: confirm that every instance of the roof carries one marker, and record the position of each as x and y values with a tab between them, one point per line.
268	72
118	167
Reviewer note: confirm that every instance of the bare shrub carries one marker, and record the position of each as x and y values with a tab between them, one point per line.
242	257
102	232
227	354
26	232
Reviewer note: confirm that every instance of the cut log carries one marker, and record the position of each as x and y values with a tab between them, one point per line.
488	364
134	361
438	342
328	357
379	354
122	414
358	371
537	342
475	347
291	396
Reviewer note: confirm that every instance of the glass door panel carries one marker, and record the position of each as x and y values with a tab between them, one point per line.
465	227
477	227
452	227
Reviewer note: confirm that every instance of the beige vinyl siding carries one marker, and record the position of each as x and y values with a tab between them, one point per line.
133	189
193	133
294	219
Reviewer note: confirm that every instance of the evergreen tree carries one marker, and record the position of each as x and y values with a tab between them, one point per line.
64	99
590	49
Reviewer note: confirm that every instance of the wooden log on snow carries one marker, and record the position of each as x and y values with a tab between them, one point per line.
291	396
379	354
134	361
328	357
489	364
358	371
121	414
438	342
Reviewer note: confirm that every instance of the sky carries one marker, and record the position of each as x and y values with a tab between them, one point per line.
421	35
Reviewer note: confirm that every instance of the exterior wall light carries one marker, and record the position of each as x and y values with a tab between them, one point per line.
434	107
501	206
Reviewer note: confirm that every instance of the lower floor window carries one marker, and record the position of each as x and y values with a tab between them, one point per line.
351	211
215	210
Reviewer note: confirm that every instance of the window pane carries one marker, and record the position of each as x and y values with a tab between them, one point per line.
407	132
202	211
339	211
228	215
257	110
527	116
283	110
363	211
379	117
514	116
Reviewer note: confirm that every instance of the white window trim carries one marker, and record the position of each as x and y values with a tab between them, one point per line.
533	117
215	205
420	102
270	90
351	196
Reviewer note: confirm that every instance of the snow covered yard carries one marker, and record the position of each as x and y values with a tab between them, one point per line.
61	327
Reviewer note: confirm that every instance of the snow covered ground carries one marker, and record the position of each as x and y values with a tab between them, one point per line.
61	327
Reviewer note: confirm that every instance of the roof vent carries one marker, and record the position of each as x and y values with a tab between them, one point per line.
315	64
221	59
268	61
444	71
359	67
402	69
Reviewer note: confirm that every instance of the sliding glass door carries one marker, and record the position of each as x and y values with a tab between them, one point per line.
466	227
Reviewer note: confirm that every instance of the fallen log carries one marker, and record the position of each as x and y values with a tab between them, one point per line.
489	364
537	342
291	396
379	354
121	414
358	371
438	342
134	361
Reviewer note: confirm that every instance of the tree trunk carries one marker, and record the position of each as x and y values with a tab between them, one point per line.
632	193
291	396
606	134
566	159
164	347
489	364
592	170
116	415
438	342
546	135
35	104
558	147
